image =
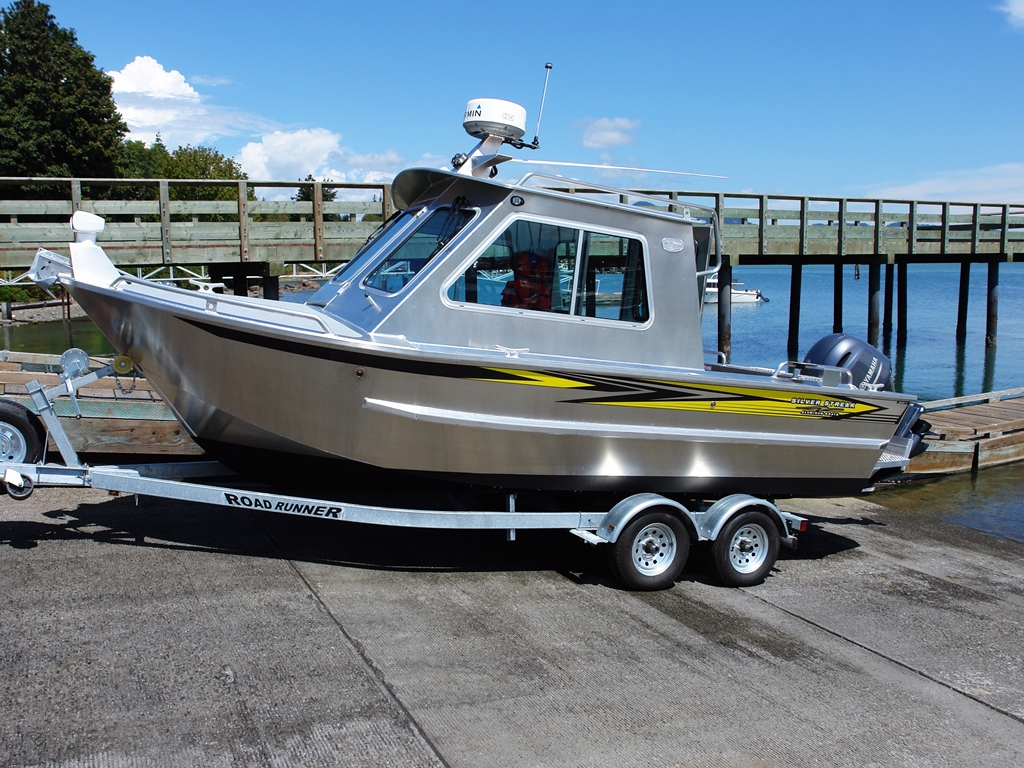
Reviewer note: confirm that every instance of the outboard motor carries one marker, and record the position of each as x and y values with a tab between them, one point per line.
870	368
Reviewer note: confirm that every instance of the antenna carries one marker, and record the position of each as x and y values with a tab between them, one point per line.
617	168
540	113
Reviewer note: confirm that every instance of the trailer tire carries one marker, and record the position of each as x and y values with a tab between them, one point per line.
746	549
20	442
650	552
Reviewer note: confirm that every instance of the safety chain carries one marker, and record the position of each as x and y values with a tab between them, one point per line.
124	391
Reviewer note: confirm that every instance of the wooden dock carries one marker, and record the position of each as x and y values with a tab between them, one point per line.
973	432
178	229
135	421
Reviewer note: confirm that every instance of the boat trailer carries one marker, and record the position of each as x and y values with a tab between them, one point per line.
649	534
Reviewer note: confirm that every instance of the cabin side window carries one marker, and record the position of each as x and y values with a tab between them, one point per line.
529	266
612	282
408	259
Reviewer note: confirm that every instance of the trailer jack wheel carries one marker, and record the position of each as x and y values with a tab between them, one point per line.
650	552
22	492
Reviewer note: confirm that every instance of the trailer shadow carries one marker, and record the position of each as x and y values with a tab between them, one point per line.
167	524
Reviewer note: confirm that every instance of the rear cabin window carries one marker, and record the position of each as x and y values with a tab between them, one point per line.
406	261
612	282
548	268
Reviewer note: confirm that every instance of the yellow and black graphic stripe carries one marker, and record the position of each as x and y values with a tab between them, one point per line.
601	390
678	396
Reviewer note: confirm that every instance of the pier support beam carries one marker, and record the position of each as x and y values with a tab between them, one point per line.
725	309
271	288
874	302
961	307
837	298
992	315
795	278
901	306
890	270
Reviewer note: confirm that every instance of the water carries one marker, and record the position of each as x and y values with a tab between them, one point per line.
992	501
54	338
932	366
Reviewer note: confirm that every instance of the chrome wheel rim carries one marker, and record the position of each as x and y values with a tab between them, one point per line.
749	548
13	448
654	549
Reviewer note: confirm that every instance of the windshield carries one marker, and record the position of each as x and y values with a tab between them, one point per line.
368	252
406	261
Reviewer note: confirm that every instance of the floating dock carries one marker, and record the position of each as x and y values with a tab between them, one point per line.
972	432
129	418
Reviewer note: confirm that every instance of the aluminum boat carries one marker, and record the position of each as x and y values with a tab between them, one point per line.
512	335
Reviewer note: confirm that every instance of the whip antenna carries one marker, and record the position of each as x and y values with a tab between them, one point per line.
540	113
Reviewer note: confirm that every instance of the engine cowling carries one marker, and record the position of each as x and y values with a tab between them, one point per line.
870	368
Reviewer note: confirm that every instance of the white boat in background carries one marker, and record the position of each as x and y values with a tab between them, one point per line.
739	295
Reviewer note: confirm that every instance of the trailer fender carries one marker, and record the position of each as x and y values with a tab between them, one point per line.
711	522
619	516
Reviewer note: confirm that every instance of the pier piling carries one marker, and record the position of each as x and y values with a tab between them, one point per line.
961	307
874	302
795	278
837	299
992	315
901	306
725	309
887	314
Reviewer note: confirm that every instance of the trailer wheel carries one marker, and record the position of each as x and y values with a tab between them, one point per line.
651	551
746	549
19	440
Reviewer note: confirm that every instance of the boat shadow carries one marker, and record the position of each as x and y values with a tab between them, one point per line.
166	524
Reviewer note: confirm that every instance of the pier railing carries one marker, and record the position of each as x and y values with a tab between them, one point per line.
224	229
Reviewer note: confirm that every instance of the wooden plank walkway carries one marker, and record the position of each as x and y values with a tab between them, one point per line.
113	421
973	432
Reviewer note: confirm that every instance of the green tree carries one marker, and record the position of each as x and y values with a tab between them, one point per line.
305	195
141	162
201	162
57	114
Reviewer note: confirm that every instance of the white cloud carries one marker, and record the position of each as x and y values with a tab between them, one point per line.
1014	10
994	184
153	100
211	80
317	151
146	76
608	132
288	154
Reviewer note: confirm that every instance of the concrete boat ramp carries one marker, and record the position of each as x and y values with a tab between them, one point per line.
166	633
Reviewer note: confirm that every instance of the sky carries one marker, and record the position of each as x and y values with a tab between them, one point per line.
899	98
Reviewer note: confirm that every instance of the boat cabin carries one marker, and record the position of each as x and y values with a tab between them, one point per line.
531	266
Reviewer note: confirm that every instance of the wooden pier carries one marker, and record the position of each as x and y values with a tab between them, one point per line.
174	229
126	419
972	433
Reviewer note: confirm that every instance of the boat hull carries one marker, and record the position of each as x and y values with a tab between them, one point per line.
241	387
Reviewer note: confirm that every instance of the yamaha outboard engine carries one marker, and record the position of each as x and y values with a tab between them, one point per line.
870	368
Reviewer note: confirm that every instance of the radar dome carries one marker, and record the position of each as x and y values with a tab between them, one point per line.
494	117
